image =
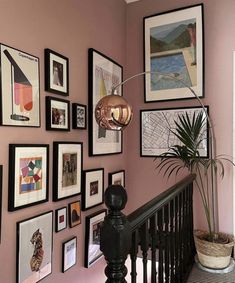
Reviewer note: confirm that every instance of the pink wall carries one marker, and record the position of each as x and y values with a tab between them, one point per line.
69	27
143	181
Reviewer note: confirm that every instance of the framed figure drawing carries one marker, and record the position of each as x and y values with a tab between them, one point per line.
117	178
174	47
67	169
20	93
28	175
69	254
34	248
104	73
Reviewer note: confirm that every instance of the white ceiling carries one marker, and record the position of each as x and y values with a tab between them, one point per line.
129	1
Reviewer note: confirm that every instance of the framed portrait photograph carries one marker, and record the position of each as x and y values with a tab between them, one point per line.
117	178
79	116
20	92
104	73
158	126
34	248
74	213
69	251
174	50
56	73
28	175
60	219
57	114
92	237
67	169
92	188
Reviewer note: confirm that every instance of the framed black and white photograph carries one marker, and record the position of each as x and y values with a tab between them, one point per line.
92	188
117	178
60	219
74	213
69	254
92	237
67	169
158	126
34	248
57	114
56	73
104	73
79	116
174	50
28	175
20	88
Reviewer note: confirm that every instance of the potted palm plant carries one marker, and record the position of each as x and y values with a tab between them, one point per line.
213	248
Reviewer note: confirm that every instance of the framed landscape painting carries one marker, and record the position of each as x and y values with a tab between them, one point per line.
174	50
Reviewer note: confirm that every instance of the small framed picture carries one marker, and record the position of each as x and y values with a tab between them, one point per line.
117	178
79	116
34	248
67	169
57	114
93	188
56	73
74	214
28	175
69	251
92	237
61	219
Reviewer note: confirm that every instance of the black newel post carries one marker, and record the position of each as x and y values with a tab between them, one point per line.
115	235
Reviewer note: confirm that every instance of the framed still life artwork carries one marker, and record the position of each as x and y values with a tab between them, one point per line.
69	254
74	214
104	73
158	127
60	219
79	116
57	114
28	175
92	237
93	188
56	73
20	93
67	169
34	248
117	178
174	45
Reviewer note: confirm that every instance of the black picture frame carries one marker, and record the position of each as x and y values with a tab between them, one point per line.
60	219
36	231
92	237
103	73
92	188
117	178
156	125
174	47
74	213
28	175
69	254
79	116
67	169
56	72
57	114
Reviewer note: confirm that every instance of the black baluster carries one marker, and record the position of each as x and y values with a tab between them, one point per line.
144	245
172	242
160	245
177	239
153	248
167	244
133	254
180	239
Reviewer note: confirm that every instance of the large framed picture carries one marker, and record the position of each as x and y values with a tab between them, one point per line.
34	248
60	219
92	237
69	251
79	116
57	114
74	213
56	73
20	93
157	127
104	73
174	50
67	169
28	175
92	188
117	178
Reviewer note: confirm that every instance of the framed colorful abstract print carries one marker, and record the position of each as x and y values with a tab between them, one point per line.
67	169
34	248
28	175
69	254
20	93
74	213
79	116
174	50
60	219
117	178
104	73
92	237
56	73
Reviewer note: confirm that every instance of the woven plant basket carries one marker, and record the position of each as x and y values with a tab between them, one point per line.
213	255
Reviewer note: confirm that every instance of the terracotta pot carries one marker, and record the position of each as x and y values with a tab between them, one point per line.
213	255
